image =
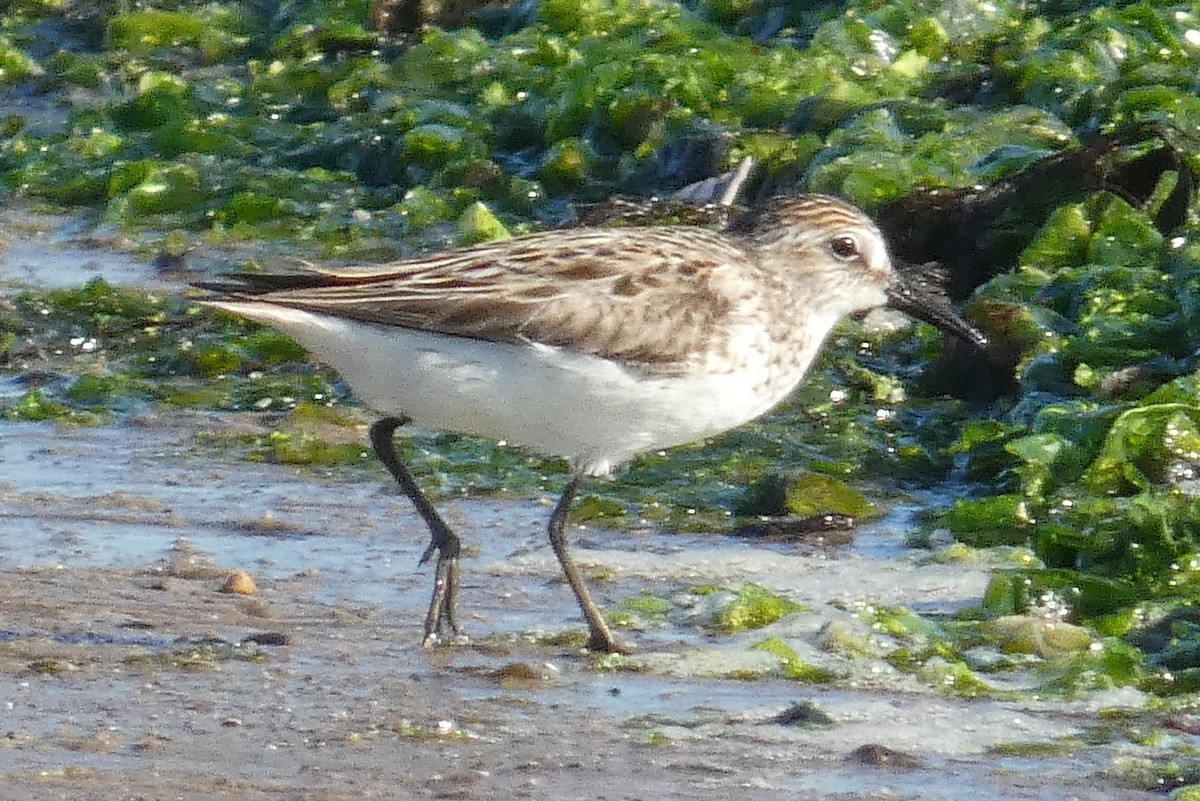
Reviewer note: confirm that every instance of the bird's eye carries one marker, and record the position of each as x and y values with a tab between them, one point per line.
844	247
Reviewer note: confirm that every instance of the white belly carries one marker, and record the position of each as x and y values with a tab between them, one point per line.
594	412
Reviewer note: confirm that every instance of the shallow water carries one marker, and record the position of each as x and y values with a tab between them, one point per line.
55	252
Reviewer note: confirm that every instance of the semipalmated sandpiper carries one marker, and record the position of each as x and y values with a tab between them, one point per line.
590	344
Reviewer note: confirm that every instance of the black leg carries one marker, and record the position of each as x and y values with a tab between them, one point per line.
600	638
441	614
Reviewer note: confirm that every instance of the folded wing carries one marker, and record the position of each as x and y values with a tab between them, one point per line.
647	295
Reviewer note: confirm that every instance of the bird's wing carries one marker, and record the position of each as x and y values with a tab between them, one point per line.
648	295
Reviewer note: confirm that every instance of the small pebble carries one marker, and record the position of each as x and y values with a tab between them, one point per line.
240	583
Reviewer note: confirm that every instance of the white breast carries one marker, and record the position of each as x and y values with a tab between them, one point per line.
592	411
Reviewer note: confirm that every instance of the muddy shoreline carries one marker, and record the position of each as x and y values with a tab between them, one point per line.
127	672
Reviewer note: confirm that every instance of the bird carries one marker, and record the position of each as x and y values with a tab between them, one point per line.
588	344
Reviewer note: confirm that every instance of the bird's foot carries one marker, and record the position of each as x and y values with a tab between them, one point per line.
441	619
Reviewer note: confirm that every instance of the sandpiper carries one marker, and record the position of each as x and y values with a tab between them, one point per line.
590	344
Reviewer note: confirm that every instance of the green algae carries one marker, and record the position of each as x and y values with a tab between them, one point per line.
1100	486
640	611
478	224
1032	749
986	522
301	448
197	655
591	508
657	739
647	605
1054	658
840	637
804	495
15	65
216	32
791	665
34	406
1036	635
957	679
960	657
751	607
591	97
120	349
